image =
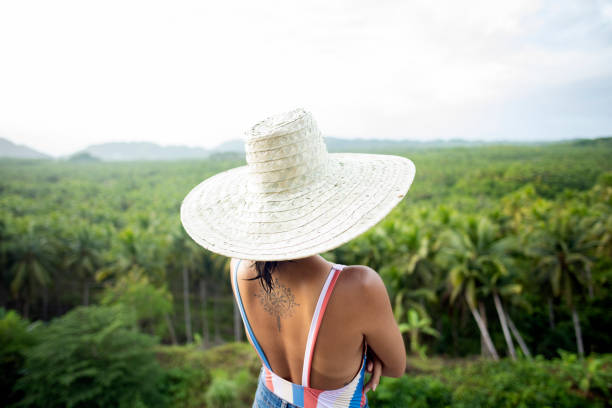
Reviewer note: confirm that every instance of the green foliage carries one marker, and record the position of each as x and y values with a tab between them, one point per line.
246	383
477	221
414	325
17	336
92	357
536	384
140	297
191	373
414	392
187	375
232	390
592	375
222	393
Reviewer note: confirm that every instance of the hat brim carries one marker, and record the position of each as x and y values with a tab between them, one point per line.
358	190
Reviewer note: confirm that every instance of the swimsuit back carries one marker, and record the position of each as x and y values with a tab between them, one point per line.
349	396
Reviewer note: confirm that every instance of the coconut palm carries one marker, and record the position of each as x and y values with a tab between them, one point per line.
212	273
495	261
84	256
30	256
186	257
416	324
410	272
602	232
136	249
561	247
482	262
464	252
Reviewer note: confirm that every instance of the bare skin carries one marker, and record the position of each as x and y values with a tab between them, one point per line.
359	309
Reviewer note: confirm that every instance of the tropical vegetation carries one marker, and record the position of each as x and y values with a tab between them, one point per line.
498	264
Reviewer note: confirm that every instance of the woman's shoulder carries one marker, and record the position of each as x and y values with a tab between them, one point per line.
361	276
361	283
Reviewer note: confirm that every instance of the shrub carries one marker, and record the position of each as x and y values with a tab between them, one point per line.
222	393
92	357
191	373
16	337
247	386
593	375
414	392
187	375
512	384
559	383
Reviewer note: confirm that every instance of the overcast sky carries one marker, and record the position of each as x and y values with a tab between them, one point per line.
74	73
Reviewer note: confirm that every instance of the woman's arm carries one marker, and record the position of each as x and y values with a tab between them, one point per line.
380	329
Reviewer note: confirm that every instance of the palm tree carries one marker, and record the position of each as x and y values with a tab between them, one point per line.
31	255
602	231
481	263
561	247
5	282
410	272
515	207
133	250
213	272
461	252
495	260
415	324
184	255
84	256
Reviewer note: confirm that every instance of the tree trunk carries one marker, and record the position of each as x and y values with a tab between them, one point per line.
85	293
518	337
484	350
170	328
205	334
45	302
454	334
589	281
186	305
485	333
551	313
578	331
237	322
26	309
504	324
216	319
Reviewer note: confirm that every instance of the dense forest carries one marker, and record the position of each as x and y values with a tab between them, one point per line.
502	252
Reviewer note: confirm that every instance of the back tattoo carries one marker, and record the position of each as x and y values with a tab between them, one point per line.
279	302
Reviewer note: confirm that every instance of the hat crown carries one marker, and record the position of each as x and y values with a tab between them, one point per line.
285	152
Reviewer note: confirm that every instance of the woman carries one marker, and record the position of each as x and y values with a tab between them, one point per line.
316	326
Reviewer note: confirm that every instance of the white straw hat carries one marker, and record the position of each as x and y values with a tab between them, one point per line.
293	199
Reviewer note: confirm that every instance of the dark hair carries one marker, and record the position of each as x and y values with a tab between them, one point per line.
264	273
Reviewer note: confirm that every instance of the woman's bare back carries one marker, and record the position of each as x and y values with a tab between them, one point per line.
280	320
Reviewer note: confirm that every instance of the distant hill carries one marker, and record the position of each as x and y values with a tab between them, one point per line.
144	151
118	151
365	145
335	144
83	157
15	151
234	145
601	141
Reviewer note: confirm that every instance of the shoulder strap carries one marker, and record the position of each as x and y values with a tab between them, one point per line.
246	320
317	317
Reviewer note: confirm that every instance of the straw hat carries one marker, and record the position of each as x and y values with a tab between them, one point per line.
293	199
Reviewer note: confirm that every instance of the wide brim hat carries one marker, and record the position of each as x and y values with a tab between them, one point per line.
293	199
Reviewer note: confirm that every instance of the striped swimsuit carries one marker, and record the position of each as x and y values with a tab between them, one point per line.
349	396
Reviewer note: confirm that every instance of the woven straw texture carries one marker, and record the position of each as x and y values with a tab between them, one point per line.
293	199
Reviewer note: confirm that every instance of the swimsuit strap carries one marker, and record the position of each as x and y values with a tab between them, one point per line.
317	317
246	320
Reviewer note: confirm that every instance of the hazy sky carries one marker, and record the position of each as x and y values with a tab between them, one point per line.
74	73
